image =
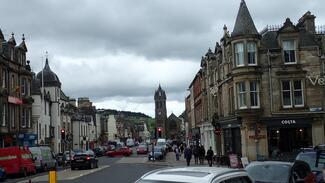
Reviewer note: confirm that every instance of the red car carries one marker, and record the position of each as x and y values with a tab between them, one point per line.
142	149
123	151
17	160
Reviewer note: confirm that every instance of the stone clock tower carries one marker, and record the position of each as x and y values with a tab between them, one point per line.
160	112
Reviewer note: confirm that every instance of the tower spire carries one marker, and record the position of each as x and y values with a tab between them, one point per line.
244	24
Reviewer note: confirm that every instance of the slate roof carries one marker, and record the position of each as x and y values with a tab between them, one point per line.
50	78
36	86
244	24
269	40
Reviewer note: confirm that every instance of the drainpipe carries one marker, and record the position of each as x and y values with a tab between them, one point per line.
270	81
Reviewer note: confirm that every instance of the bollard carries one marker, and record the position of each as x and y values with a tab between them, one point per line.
52	176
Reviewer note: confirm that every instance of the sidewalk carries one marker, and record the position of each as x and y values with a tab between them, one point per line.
170	160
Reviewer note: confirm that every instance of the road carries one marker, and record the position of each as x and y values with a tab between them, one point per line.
119	170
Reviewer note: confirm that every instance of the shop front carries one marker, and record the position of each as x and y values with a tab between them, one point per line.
27	139
231	136
287	135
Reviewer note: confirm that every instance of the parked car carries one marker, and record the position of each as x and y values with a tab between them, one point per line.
142	149
99	151
316	160
3	174
157	154
123	151
17	160
196	174
130	142
84	160
43	158
278	171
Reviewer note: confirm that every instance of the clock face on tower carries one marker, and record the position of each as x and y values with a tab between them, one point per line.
159	113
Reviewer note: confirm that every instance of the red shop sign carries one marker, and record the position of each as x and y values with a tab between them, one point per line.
15	100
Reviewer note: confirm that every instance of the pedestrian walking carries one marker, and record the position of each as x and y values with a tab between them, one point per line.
201	154
210	156
188	155
196	154
177	153
181	147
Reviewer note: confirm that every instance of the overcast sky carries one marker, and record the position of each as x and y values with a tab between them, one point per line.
117	52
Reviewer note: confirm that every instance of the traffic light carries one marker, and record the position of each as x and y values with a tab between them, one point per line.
159	132
62	134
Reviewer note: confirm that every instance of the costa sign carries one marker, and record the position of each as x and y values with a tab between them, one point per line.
288	121
317	79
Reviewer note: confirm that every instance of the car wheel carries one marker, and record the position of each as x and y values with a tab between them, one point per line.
96	165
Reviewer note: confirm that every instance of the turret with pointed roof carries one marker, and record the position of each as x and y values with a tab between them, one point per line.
244	24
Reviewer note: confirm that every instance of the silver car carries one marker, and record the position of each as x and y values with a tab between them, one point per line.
196	174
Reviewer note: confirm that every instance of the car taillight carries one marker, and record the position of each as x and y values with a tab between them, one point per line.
88	158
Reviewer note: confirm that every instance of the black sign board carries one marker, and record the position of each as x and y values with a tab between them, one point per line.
288	122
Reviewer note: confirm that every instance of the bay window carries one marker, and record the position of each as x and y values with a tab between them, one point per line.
254	94
239	54
241	95
251	53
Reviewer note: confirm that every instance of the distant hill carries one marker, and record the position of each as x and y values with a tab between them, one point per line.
126	114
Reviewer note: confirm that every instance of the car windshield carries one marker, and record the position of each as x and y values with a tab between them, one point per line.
275	173
310	158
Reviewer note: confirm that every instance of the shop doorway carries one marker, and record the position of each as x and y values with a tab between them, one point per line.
287	141
232	141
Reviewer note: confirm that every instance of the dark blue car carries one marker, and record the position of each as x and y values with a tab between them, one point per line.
3	174
316	160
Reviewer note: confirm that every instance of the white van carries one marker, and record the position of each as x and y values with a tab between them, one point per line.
130	142
43	157
163	144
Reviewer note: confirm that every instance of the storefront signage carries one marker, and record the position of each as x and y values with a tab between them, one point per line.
14	100
317	79
257	136
233	158
288	121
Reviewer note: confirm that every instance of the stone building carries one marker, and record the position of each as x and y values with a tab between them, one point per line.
15	94
265	89
160	112
173	126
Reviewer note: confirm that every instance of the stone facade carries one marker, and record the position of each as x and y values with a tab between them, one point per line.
15	94
160	112
265	90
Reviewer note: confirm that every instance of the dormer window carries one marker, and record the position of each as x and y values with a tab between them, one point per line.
251	53
289	51
239	54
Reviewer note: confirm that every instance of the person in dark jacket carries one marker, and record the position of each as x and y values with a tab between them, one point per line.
201	154
196	154
210	156
188	155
